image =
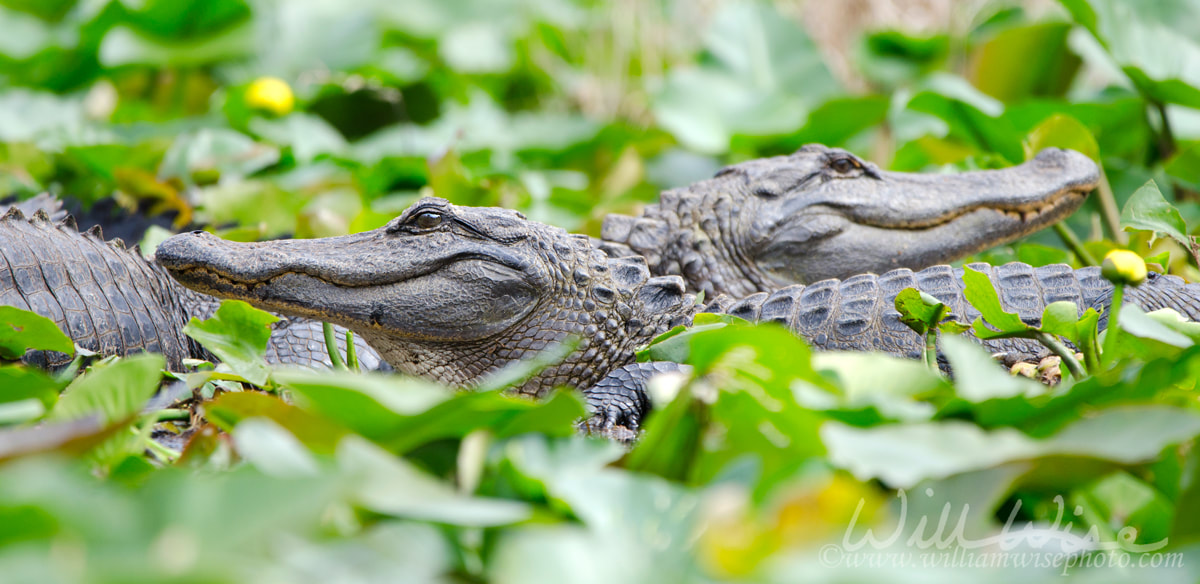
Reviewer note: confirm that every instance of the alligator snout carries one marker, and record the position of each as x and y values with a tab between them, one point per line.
187	250
1073	166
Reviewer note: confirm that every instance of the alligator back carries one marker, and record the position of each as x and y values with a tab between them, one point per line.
859	313
106	297
112	301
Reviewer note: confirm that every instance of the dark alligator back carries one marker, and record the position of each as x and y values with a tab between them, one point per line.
104	296
112	301
859	313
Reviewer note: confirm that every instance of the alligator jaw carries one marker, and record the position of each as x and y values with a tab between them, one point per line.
870	249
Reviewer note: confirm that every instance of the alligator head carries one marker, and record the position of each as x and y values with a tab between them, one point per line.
824	213
450	293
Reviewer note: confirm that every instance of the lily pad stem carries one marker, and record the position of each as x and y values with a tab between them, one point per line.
335	356
1064	353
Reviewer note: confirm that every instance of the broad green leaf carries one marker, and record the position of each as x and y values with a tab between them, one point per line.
764	79
632	526
675	344
1121	500
1062	131
978	378
970	118
1025	61
896	388
1185	165
1137	323
21	383
1062	318
1148	210
670	442
981	293
232	154
477	47
1177	322
309	136
973	496
18	411
892	58
237	334
920	311
64	438
753	369
1185	527
127	46
318	433
902	455
183	18
1162	259
273	450
392	486
21	330
40	117
403	414
838	120
113	392
372	405
1154	44
1126	434
1041	255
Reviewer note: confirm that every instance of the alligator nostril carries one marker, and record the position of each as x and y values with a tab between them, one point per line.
198	232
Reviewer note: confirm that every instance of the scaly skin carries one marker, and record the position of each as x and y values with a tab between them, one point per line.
456	293
823	213
111	301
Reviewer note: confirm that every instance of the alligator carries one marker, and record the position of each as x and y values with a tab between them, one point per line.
824	213
111	301
817	185
454	294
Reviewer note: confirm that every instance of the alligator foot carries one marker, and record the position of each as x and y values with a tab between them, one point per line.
619	400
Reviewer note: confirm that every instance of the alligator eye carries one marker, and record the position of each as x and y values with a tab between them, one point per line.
766	192
428	219
843	165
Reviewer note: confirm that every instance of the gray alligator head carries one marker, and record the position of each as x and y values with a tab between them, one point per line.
450	293
824	213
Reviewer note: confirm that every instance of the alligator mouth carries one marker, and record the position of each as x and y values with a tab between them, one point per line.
263	293
1033	213
216	280
249	282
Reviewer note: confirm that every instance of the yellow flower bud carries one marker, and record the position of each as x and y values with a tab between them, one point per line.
1122	266
270	94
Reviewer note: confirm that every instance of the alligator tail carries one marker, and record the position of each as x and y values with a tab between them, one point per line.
103	295
859	313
